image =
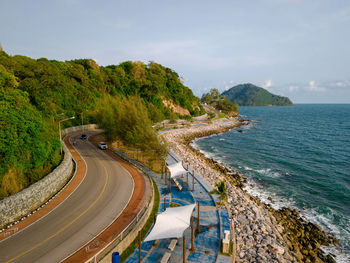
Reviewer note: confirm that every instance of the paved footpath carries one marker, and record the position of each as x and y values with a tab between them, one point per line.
213	222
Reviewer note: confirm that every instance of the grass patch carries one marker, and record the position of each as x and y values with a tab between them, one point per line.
230	249
220	190
222	115
150	159
211	115
131	248
174	205
220	203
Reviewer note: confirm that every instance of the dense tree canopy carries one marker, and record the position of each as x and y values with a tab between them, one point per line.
28	145
214	98
33	92
225	106
128	119
211	96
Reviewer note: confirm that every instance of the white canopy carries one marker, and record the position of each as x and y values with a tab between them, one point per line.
171	223
176	169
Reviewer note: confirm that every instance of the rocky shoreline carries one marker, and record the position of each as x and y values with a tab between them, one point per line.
263	233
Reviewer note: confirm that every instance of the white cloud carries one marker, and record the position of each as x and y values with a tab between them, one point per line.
314	87
339	84
293	88
267	84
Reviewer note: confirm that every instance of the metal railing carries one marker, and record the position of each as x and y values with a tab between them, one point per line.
129	228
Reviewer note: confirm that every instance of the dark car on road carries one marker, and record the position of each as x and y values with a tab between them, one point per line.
83	137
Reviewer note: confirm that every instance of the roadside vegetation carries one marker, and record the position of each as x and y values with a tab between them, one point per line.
125	99
151	159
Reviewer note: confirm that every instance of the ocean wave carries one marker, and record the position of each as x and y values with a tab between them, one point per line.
207	154
268	172
265	171
276	202
247	125
212	154
340	257
309	215
325	221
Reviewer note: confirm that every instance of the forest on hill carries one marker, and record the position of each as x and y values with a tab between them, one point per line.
36	93
251	95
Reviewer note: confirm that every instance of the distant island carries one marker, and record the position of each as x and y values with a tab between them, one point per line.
251	95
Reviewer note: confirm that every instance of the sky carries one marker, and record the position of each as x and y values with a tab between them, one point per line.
294	48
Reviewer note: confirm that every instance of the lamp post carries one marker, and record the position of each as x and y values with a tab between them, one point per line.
53	118
82	117
59	127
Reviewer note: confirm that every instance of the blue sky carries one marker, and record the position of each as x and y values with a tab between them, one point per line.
295	48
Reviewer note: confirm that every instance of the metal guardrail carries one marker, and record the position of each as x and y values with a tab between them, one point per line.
139	216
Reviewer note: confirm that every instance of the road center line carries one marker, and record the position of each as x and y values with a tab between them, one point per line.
70	223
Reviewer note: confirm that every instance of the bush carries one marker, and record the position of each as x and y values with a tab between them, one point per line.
221	190
211	115
226	107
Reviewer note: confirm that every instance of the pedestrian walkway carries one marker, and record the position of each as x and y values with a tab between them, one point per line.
213	222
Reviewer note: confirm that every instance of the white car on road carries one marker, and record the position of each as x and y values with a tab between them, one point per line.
102	145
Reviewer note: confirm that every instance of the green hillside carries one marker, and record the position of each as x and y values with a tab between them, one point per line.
251	95
36	93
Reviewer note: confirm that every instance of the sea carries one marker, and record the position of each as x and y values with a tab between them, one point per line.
296	157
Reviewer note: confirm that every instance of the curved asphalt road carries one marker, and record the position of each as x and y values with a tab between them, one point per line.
98	201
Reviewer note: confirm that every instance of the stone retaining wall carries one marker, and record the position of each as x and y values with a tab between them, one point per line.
23	203
88	127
